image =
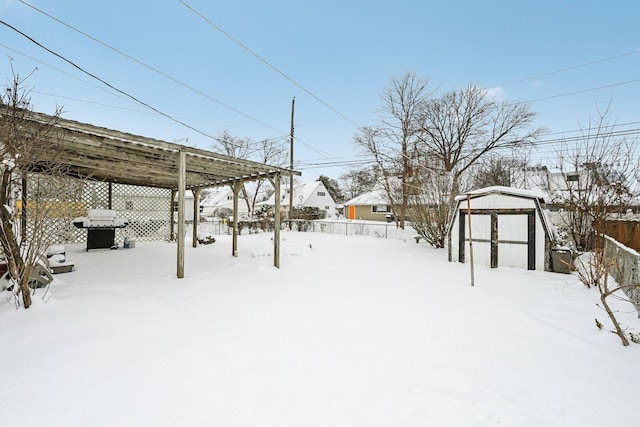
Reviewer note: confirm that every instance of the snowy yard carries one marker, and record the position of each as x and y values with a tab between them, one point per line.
350	331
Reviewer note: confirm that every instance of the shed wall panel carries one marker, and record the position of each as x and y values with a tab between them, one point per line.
512	227
512	255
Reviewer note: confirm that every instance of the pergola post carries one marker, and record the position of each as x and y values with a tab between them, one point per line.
110	196
276	222
196	215
237	186
182	178
172	227
23	216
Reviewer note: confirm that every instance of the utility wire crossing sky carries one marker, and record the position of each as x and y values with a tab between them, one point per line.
187	71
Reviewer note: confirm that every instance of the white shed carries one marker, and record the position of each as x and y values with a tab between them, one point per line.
509	228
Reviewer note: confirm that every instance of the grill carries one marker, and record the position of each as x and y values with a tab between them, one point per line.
101	227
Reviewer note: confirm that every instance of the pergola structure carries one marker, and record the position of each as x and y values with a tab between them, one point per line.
96	153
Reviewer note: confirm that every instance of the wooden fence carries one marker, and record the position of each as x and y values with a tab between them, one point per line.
626	232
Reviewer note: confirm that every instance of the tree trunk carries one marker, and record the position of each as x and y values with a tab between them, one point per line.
618	331
25	290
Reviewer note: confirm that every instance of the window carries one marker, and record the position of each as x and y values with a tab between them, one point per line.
326	208
321	193
381	209
572	178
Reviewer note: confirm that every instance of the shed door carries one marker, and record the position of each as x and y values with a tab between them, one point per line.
503	237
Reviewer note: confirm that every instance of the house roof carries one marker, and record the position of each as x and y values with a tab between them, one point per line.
374	197
217	197
102	154
301	191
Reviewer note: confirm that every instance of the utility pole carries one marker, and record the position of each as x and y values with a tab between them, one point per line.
293	103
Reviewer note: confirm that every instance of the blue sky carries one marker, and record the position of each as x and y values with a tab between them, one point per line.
334	57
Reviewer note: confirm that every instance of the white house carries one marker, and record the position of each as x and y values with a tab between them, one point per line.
311	194
188	206
509	228
219	199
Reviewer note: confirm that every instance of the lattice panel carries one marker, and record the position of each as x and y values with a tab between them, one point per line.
147	209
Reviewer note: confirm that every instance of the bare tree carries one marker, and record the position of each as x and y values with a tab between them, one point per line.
595	271
358	181
393	144
266	151
28	145
494	170
463	126
455	132
596	179
428	206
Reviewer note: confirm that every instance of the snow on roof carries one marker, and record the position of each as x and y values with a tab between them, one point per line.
300	191
504	190
374	197
214	198
306	190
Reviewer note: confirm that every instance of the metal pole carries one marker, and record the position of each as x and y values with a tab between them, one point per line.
470	239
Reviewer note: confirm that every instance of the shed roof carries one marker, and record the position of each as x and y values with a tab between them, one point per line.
103	154
498	189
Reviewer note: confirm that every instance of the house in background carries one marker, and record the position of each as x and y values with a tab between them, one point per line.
530	177
220	200
372	206
188	207
308	195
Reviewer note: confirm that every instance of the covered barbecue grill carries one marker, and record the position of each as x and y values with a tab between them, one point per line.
101	227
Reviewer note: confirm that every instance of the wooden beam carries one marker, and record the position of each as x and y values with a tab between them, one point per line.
276	222
236	193
181	189
23	214
172	226
196	215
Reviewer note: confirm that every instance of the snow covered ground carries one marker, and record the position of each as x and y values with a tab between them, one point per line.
350	331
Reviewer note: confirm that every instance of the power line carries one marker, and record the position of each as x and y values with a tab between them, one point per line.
54	95
155	70
284	75
126	97
79	68
583	91
162	73
635	52
267	63
64	72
